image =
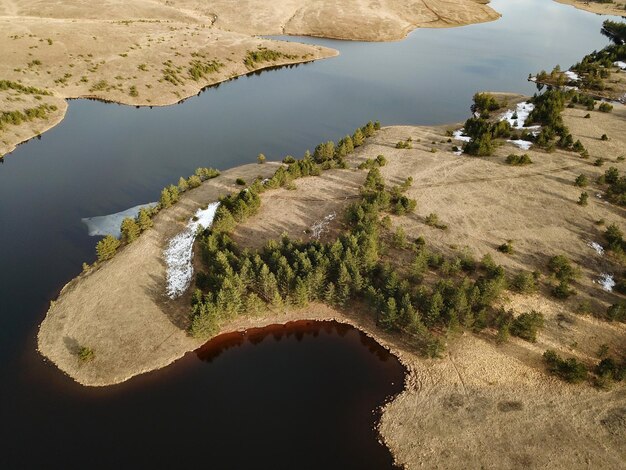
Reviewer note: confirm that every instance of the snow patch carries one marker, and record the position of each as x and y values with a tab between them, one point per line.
522	110
179	252
318	228
458	135
110	224
620	64
597	247
607	282
522	144
572	75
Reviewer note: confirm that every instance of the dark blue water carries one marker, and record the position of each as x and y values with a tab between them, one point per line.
104	158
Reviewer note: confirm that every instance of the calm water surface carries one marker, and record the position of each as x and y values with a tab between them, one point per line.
291	399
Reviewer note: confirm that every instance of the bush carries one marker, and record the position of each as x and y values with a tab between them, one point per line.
562	268
581	181
518	160
604	137
616	312
583	199
614	237
432	220
608	371
404	144
86	354
240	181
562	290
527	325
261	158
506	248
605	107
569	370
524	283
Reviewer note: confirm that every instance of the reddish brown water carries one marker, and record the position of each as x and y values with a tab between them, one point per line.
304	395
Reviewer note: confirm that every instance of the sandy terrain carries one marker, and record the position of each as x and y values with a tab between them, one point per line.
147	52
506	412
618	7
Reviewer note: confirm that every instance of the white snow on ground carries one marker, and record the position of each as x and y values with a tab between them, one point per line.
597	247
458	135
522	110
572	75
318	228
110	224
607	282
523	144
620	64
179	252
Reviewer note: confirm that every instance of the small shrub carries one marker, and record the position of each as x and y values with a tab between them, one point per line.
289	160
581	181
240	181
583	199
569	370
524	283
260	159
604	137
86	354
527	325
605	107
506	247
562	268
432	220
518	160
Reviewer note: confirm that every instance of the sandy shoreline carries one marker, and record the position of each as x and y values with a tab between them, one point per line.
616	7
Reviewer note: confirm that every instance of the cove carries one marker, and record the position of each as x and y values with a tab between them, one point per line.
104	158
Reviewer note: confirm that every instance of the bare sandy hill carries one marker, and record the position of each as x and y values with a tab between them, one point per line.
146	52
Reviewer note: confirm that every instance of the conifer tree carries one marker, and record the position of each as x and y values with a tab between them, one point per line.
107	247
144	220
130	230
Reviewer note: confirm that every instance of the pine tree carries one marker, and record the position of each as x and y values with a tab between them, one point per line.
166	198
389	314
330	294
300	294
107	247
130	230
435	306
194	181
182	185
144	220
174	194
357	138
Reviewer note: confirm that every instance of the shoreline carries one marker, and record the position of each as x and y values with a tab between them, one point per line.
614	9
219	43
64	101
